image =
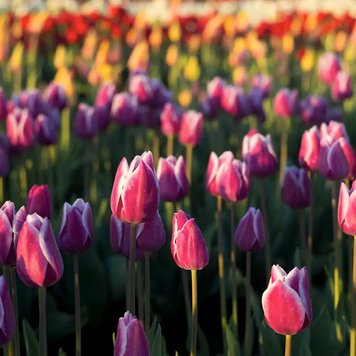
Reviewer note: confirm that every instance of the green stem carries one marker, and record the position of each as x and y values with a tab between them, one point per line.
284	149
233	271
170	145
302	233
132	269
43	322
139	282
189	161
95	171
186	297
147	292
310	227
221	270
16	312
248	303
353	301
288	346
1	189
155	147
65	129
78	326
193	348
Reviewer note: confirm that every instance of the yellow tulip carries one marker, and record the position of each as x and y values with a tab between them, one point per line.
15	62
185	97
174	32
60	57
192	69
172	55
308	60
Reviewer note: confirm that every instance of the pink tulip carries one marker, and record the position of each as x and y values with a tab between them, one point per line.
39	200
328	67
188	247
309	149
347	209
124	110
170	119
135	193
7	243
341	87
286	302
285	102
191	128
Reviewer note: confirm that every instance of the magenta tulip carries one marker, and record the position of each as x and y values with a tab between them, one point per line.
140	86
285	102
249	234
76	232
7	321
286	302
295	190
262	82
38	260
313	110
191	128
124	110
86	124
39	200
130	337
347	209
188	247
170	119
309	149
341	87
135	193
3	105
328	67
7	243
55	95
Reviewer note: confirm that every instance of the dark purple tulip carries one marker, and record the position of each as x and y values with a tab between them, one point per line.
39	201
341	87
140	86
46	129
256	102
124	110
328	67
262	82
7	321
76	232
130	337
160	94
86	123
285	102
150	235
250	234
191	128
172	179
7	244
55	96
215	89
3	105
170	119
313	110
120	239
38	260
209	109
296	188
4	162
20	129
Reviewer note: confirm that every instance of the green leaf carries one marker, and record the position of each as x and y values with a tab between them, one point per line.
269	343
202	343
61	352
31	343
232	345
156	348
59	325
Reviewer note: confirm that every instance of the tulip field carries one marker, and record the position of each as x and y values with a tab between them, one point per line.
177	187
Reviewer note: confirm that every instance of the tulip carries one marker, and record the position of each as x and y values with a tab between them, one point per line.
140	86
4	162
233	180
105	95
130	337
7	322
39	201
19	220
172	179
20	129
255	97
285	102
334	114
296	188
258	153
188	247
309	149
208	108
313	110
235	102
286	302
170	119
191	128
249	234
328	67
46	129
214	164
215	89
3	105
7	243
347	209
76	232
86	122
39	263
341	87
124	110
160	94
55	96
135	193
262	82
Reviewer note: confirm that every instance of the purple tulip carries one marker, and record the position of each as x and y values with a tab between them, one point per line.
135	193
313	110
86	122
172	179
39	263
296	188
7	321
215	89
249	234
130	337
262	82
3	105
286	302
20	219
347	209
4	162
328	67
209	109
140	86
160	94
39	200
55	96
191	128
76	232
285	102
46	129
188	247
341	87
235	102
170	119
7	243
124	110
309	149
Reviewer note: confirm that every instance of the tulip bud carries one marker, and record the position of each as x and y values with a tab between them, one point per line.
39	263
124	110
328	67
249	234
7	245
55	96
39	201
191	128
170	119
262	82
341	87
233	180
135	193
130	337
76	232
258	153
172	179
309	149
3	105
313	110
209	110
86	122
347	209
214	164
286	302
120	239
46	129
140	86
285	102
150	235
215	89
296	188
7	321
188	247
